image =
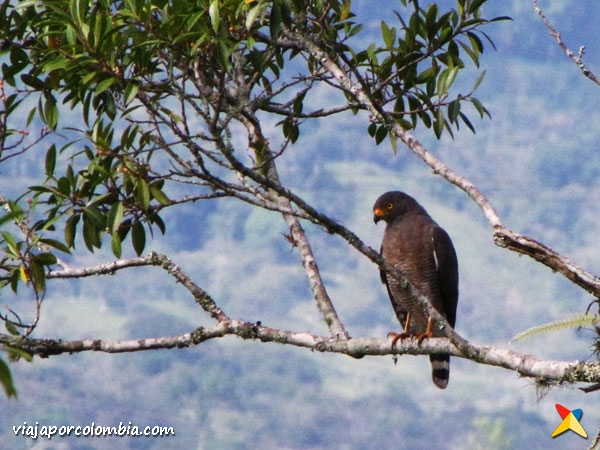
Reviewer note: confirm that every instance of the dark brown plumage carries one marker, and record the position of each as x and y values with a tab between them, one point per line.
423	251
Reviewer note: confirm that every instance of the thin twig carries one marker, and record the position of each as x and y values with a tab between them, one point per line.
153	259
556	35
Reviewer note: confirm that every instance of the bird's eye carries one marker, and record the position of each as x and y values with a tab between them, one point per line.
389	205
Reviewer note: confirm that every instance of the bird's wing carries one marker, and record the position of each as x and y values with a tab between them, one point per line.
447	271
382	273
401	314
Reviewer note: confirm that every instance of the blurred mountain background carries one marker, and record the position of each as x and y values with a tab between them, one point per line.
538	162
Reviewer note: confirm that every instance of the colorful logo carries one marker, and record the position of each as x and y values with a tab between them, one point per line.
570	421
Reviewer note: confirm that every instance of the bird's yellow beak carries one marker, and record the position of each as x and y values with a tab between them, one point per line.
378	214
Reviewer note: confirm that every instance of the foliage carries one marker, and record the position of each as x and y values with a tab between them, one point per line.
113	60
576	321
158	89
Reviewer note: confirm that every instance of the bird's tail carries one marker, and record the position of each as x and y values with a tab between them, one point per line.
440	370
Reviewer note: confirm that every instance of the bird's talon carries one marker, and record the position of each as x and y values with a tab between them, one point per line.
421	336
397	337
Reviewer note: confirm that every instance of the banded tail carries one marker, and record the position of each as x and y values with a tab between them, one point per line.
440	370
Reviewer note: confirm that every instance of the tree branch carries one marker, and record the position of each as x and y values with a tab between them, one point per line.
153	259
525	365
556	35
502	236
268	169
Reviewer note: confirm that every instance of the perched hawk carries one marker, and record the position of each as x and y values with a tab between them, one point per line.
423	251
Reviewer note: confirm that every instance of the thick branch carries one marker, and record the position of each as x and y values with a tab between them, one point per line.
524	365
324	303
503	237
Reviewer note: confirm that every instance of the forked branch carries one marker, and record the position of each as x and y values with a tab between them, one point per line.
502	235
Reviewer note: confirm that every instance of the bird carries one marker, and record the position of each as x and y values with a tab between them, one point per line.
416	245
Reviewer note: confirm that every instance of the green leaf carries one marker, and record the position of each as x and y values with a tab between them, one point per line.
275	21
441	83
427	74
159	195
91	237
115	216
475	5
372	129
496	19
142	193
446	79
50	112
31	116
445	35
15	277
79	9
11	215
476	43
380	134
64	186
345	12
45	259
430	20
406	125
6	380
467	122
56	244
453	110
115	244
478	81
54	64
11	328
12	244
18	353
474	55
138	237
101	199
71	230
388	34
104	85
355	30
51	160
438	123
95	216
393	141
213	12
253	14
290	130
298	104
34	82
155	219
39	275
130	92
479	107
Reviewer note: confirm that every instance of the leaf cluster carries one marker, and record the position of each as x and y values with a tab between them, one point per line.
414	70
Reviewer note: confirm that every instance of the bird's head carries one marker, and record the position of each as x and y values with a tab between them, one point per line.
394	204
